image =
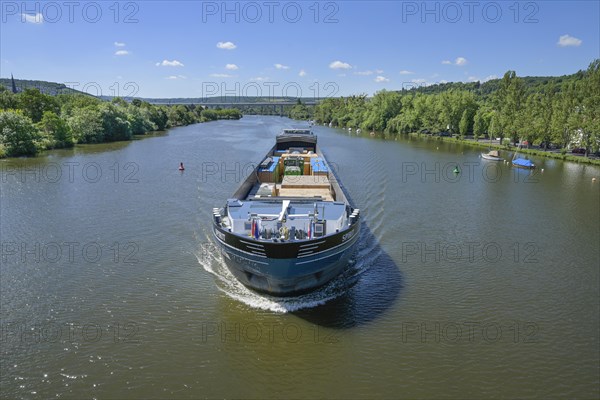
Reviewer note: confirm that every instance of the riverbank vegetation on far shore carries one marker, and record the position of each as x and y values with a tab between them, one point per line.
548	113
31	121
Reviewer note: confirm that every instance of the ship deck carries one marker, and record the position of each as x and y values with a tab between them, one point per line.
297	216
293	195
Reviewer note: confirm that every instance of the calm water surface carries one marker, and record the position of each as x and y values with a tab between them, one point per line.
481	284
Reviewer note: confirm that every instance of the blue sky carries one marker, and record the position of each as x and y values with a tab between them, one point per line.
326	48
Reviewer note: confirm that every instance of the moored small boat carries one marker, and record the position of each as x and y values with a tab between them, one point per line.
523	163
492	155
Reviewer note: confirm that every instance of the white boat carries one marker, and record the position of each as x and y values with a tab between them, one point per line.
492	155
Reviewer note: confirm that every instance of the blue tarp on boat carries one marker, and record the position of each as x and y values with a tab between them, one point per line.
318	165
521	162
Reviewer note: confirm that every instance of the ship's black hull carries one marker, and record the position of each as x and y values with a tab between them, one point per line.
289	268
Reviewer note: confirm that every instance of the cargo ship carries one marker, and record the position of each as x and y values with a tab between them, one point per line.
290	227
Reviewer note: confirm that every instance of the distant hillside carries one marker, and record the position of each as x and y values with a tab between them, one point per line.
532	84
51	88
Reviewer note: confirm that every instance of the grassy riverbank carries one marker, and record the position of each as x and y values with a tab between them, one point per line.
505	147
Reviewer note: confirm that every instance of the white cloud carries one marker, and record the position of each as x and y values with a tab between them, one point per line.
460	61
302	73
167	63
381	79
443	81
260	78
175	77
121	53
405	72
419	81
281	66
37	18
487	78
379	71
339	65
226	45
221	75
231	67
568	40
119	44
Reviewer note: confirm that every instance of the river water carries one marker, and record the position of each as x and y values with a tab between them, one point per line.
478	284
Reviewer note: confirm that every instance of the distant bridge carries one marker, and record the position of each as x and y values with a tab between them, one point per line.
236	104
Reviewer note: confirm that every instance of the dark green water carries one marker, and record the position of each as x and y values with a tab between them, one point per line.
482	284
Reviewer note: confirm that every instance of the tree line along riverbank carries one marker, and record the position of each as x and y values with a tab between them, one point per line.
31	121
546	112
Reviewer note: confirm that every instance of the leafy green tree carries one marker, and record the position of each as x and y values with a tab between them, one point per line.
115	122
86	125
538	113
68	102
384	106
179	115
56	130
481	122
229	113
465	124
34	103
209	115
18	135
563	124
428	109
300	111
8	100
510	97
496	129
140	120
590	106
158	116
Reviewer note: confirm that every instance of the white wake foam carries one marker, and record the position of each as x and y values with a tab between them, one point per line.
209	257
